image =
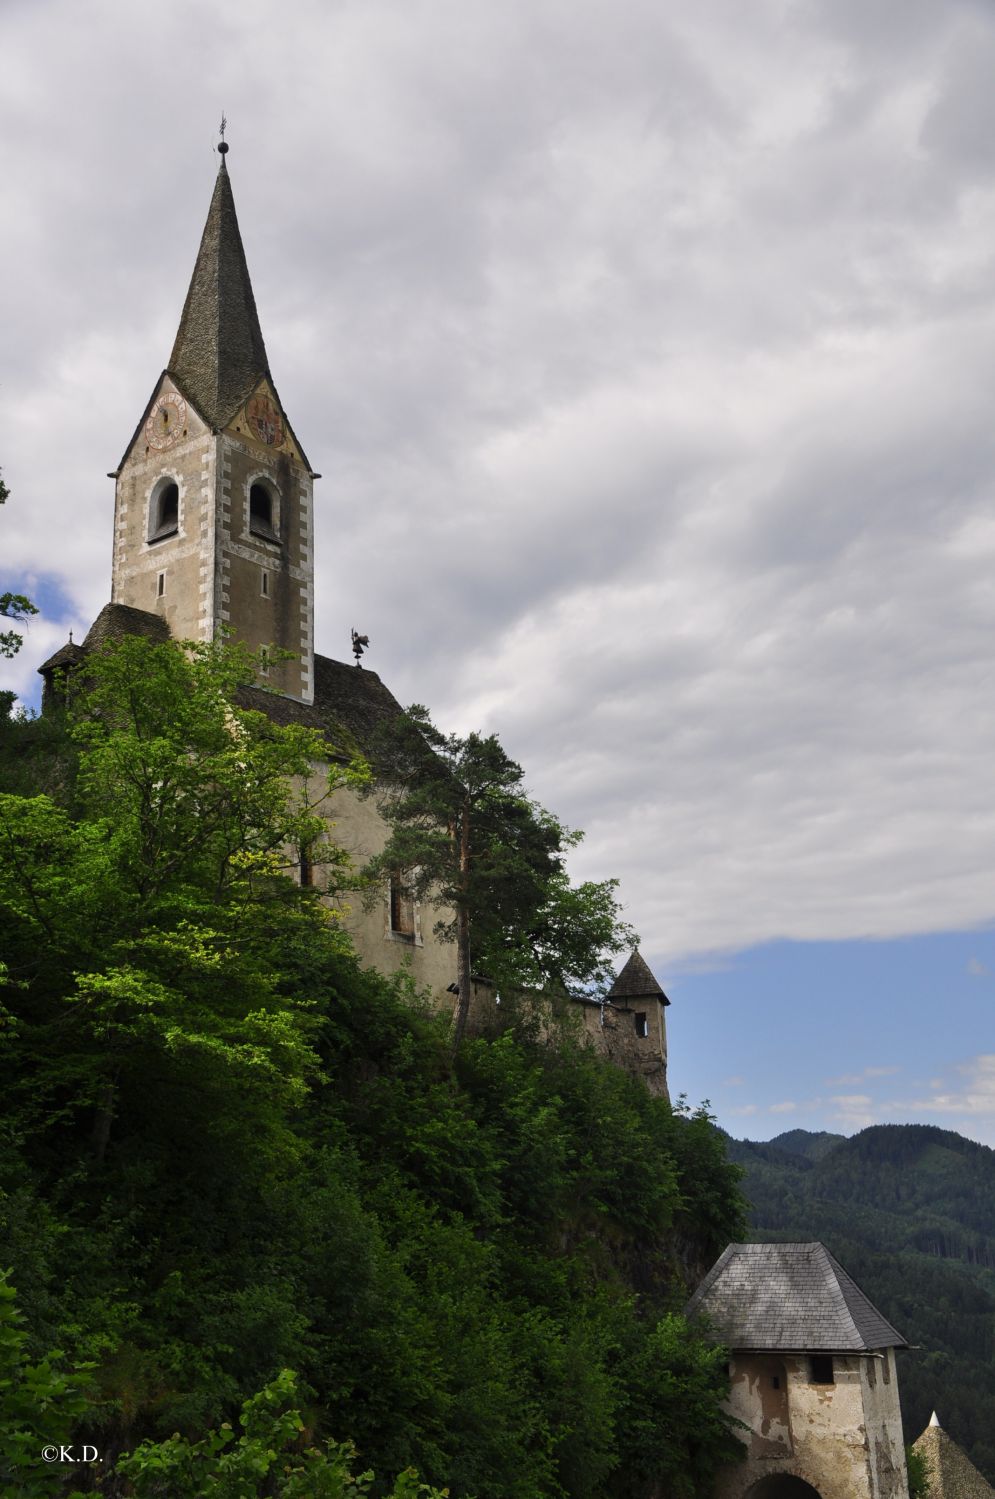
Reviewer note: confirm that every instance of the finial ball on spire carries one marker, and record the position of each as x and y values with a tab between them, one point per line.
223	145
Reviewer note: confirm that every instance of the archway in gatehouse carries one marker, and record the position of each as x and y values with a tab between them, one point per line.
781	1486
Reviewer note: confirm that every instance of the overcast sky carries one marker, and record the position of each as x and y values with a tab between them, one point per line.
648	354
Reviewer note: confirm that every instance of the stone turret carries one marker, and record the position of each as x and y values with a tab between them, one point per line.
629	1025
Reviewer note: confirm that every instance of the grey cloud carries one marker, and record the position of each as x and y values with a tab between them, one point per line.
646	355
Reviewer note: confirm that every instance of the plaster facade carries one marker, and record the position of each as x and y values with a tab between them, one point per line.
843	1438
633	1036
354	824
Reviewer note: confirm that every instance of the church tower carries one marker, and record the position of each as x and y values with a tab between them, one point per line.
213	523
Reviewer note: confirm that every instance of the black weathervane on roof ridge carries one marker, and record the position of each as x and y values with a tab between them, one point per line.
359	645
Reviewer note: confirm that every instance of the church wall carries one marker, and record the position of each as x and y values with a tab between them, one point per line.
281	617
184	559
840	1438
355	825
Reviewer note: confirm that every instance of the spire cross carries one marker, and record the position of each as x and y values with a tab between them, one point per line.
223	147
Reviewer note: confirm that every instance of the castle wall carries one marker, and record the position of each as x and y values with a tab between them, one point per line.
845	1438
355	825
884	1426
613	1032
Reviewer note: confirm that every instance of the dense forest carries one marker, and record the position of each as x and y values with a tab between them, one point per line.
253	1206
909	1210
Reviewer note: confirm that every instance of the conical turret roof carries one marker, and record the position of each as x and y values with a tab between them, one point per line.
219	356
636	981
951	1473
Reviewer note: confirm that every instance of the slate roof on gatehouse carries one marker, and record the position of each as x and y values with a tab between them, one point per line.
789	1298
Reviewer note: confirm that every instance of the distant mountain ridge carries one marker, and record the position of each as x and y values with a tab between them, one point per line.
910	1211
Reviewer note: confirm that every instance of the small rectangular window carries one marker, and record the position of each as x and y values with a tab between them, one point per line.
264	661
642	1024
161	585
265	585
306	868
821	1369
402	906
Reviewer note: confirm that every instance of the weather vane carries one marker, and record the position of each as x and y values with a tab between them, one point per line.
223	147
359	644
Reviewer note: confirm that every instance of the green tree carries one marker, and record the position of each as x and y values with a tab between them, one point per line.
40	1403
269	1458
465	837
918	1472
12	606
150	925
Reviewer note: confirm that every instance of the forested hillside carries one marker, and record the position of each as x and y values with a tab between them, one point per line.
910	1211
228	1152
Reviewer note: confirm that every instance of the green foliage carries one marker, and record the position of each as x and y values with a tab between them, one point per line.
918	1472
229	1152
40	1403
268	1459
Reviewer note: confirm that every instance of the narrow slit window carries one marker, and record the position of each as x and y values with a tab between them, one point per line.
161	585
306	868
265	585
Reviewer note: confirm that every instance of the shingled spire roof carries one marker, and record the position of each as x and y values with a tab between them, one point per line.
636	981
951	1473
219	356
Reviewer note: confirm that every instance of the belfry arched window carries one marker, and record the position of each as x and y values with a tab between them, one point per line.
264	511
164	510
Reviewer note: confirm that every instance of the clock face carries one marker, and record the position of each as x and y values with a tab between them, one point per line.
265	421
166	421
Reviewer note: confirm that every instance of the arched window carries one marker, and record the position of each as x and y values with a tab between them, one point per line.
264	517
164	510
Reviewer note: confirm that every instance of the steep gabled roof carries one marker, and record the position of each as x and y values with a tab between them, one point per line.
219	356
636	981
789	1298
951	1473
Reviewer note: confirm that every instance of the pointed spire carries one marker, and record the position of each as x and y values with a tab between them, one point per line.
219	356
636	981
934	1420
